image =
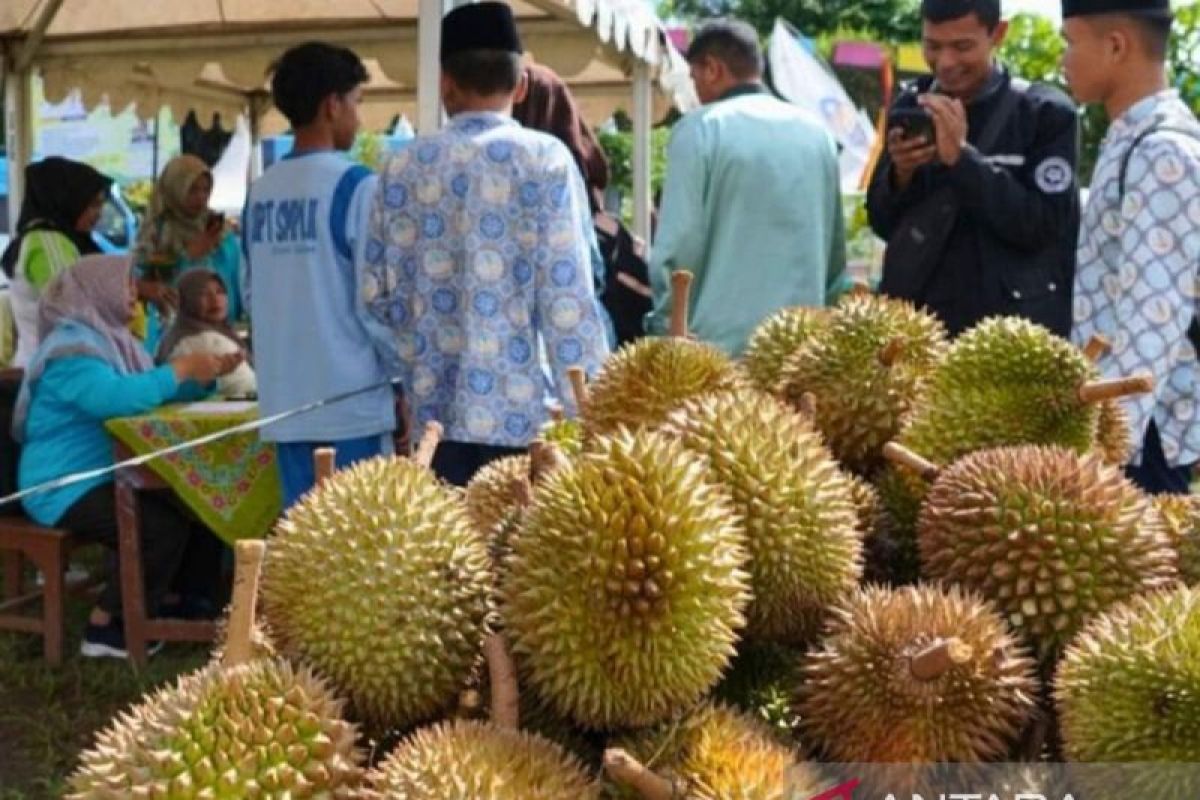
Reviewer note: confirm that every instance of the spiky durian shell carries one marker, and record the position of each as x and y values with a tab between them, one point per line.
795	506
774	341
262	729
860	400
1128	691
1049	536
1112	433
644	381
716	753
378	580
566	433
477	761
859	701
1181	513
627	585
1007	381
489	495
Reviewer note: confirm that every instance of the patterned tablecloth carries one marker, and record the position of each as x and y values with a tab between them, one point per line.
232	484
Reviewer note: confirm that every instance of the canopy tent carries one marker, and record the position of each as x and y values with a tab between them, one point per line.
213	56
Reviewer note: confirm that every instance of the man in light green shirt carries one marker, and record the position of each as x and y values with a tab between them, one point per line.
751	204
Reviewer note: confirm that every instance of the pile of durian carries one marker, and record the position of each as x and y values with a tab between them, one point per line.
861	543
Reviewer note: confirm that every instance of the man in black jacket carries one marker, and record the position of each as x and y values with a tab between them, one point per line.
981	213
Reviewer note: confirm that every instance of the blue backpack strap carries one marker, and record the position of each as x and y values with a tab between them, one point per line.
343	194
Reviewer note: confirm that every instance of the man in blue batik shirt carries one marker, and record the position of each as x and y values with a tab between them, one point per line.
476	258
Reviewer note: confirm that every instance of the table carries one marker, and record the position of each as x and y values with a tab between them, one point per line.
232	484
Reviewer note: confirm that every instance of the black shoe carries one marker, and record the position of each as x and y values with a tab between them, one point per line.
108	641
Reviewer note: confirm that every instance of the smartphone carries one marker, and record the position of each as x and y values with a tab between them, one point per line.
915	122
216	219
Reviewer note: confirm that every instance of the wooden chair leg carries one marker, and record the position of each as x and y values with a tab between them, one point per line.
53	564
14	579
133	587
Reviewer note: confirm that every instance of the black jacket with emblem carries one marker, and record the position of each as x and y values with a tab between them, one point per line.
1011	250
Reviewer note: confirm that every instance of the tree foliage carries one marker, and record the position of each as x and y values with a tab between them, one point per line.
889	20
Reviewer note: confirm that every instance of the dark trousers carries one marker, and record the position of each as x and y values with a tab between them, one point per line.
295	460
178	552
457	462
1155	475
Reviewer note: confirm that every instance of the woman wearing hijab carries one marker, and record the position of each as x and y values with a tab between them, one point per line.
62	204
202	327
90	368
180	230
622	276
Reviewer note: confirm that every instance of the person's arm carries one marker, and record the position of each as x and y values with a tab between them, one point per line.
230	256
95	388
568	317
901	177
373	296
682	228
47	253
1030	206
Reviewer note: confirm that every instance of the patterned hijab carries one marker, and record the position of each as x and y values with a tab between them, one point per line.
168	227
86	310
190	319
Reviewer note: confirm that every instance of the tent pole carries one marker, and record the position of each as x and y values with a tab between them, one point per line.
18	135
429	45
256	108
642	112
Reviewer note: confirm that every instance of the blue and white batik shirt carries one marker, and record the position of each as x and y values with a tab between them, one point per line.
1136	281
477	259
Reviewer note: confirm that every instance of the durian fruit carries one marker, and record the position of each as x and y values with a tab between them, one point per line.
489	495
641	383
1049	536
1181	513
261	729
759	683
716	753
866	368
378	580
794	504
774	341
627	586
464	760
915	674
1128	692
566	433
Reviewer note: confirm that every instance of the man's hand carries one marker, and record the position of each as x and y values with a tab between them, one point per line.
908	155
950	123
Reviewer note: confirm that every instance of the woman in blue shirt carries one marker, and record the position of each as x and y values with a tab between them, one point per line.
90	368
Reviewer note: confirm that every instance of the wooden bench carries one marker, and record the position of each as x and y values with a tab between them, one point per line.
46	549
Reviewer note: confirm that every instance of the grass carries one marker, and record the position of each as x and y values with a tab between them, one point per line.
47	716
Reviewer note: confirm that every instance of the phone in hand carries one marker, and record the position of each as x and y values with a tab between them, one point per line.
216	220
915	122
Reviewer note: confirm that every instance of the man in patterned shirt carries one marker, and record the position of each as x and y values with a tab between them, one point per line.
1139	248
478	257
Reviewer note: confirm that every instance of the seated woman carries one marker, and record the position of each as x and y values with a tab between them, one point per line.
90	368
202	327
62	204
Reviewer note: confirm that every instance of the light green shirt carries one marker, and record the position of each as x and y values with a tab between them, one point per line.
752	207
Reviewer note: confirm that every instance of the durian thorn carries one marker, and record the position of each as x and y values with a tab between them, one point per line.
579	386
428	444
557	414
248	558
936	660
545	458
899	454
1096	347
502	675
681	287
890	353
1111	389
627	770
807	406
324	463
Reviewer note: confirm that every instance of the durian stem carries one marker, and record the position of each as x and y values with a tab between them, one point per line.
324	464
625	769
248	558
1099	391
545	458
502	674
681	287
936	660
899	454
1096	347
579	386
521	492
428	444
891	352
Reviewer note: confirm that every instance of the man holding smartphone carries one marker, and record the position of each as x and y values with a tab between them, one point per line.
977	194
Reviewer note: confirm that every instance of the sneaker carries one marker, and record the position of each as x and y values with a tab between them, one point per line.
108	641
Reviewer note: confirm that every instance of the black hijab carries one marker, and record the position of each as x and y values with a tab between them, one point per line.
57	192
